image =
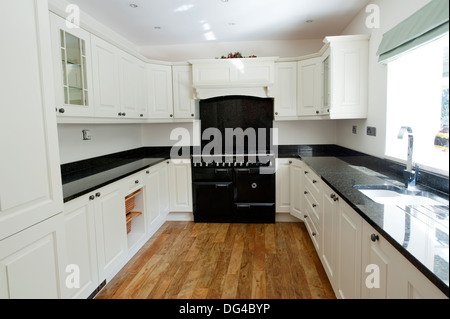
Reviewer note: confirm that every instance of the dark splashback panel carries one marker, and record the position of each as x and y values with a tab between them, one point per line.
237	112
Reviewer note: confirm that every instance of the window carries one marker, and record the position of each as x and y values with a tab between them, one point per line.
418	87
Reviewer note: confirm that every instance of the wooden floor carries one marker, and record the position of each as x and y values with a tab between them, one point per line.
215	261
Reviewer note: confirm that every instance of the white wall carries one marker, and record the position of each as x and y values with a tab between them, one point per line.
211	50
106	139
392	12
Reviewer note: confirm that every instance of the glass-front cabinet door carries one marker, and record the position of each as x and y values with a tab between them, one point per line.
73	77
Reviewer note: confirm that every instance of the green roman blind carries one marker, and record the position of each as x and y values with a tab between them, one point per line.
423	26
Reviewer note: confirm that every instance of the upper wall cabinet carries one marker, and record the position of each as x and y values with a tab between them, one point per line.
160	91
183	95
309	87
345	76
72	69
285	89
119	82
105	59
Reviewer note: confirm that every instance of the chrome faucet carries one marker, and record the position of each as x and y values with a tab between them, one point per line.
409	173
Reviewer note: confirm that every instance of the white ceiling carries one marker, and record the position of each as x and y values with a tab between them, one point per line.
199	21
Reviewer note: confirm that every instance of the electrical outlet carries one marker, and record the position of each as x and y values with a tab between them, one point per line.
354	129
86	135
371	131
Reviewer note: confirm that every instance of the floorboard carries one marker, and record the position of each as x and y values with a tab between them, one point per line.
186	260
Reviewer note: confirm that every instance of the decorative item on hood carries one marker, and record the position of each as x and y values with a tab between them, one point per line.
236	55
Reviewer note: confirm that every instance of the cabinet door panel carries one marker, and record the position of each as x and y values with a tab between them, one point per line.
110	230
160	92
286	89
183	99
31	262
30	179
282	180
180	186
350	229
106	78
309	87
81	244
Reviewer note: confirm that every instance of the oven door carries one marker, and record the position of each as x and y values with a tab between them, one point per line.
213	201
253	187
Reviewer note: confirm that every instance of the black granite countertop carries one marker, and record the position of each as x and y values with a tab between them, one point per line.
417	232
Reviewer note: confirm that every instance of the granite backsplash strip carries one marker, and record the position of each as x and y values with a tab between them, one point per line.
72	171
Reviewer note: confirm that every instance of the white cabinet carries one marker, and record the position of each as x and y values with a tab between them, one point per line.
160	100
81	246
348	280
282	185
388	274
110	229
32	262
72	69
345	76
157	195
120	82
285	89
296	189
309	87
30	178
180	186
183	94
330	229
105	66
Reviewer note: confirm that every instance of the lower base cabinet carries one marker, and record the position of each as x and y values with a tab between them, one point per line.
32	262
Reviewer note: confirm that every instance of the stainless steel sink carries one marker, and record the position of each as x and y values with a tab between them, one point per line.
393	195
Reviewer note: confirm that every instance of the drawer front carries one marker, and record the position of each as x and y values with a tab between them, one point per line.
254	213
212	174
136	181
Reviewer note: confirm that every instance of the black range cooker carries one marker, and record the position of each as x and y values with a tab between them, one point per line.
235	189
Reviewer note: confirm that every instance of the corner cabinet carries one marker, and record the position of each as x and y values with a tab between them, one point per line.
309	87
72	69
345	77
285	89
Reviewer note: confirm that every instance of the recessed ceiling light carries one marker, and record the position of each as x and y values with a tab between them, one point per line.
309	21
232	23
157	28
133	5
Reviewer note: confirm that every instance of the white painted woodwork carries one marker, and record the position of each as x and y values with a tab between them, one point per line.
309	87
105	66
160	98
157	194
330	232
296	189
30	178
32	262
57	24
183	94
348	86
282	186
222	77
80	246
348	280
110	229
141	83
180	186
128	84
398	278
285	89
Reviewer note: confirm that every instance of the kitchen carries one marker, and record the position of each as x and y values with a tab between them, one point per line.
109	150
